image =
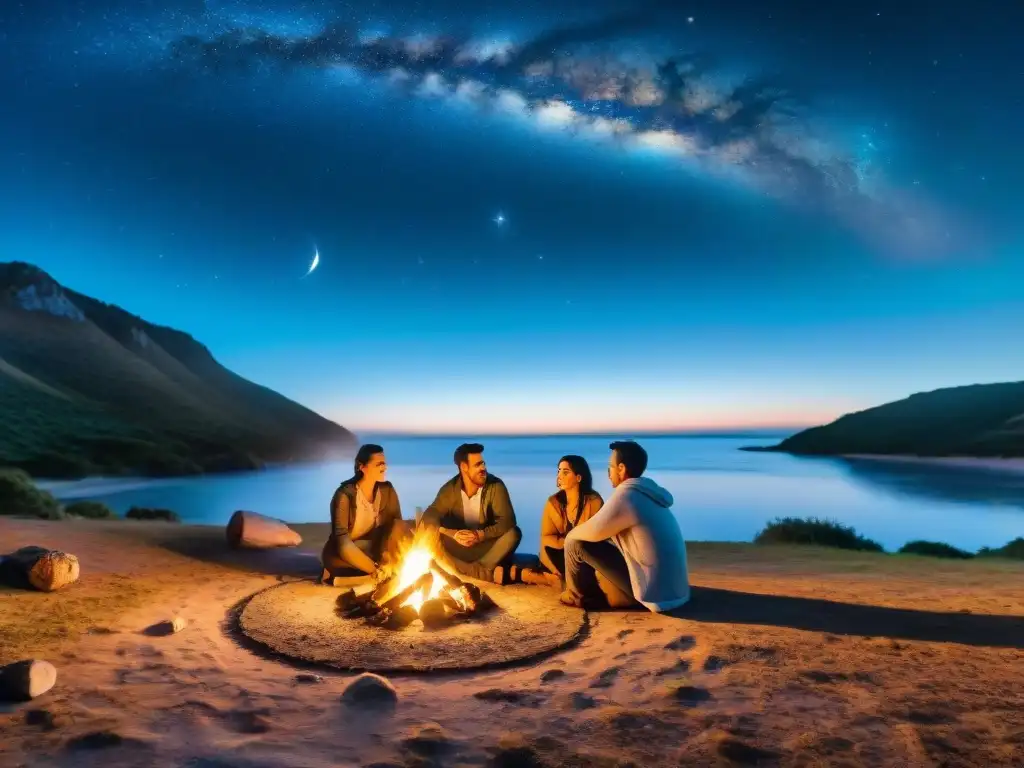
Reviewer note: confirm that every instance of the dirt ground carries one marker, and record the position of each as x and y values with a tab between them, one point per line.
786	656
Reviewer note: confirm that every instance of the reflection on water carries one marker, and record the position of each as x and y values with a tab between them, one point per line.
721	493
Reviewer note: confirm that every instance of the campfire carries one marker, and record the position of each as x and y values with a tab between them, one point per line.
420	589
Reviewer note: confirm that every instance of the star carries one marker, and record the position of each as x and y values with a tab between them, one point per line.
689	19
499	219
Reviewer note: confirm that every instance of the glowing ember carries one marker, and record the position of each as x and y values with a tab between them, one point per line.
415	563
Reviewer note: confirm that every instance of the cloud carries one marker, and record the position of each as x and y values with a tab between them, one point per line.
757	130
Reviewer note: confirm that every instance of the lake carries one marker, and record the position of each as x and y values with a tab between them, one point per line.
722	493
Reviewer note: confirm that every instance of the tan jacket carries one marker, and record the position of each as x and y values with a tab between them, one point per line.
555	523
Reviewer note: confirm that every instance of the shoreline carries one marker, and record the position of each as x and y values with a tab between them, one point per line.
1011	465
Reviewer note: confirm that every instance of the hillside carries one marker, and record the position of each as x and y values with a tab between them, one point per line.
984	420
87	388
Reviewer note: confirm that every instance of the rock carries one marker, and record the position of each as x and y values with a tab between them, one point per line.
251	530
26	680
308	678
41	718
370	690
432	614
551	674
177	624
168	627
582	701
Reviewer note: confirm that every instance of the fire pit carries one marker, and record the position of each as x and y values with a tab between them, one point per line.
423	618
419	589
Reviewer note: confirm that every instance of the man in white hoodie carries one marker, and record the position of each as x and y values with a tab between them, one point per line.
633	542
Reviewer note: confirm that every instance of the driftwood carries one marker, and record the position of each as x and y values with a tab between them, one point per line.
44	569
251	530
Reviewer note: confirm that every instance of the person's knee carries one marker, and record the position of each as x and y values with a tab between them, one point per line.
515	535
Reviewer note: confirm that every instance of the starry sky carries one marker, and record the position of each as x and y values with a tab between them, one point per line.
535	216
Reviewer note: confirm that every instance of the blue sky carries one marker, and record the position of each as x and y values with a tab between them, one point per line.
854	249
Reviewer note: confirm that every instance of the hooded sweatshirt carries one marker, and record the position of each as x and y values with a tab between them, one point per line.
638	520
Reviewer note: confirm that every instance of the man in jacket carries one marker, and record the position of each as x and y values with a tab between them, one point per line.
474	518
633	543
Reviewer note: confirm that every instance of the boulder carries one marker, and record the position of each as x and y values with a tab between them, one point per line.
25	680
44	569
251	530
370	690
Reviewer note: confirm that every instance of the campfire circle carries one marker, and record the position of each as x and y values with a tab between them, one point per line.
422	618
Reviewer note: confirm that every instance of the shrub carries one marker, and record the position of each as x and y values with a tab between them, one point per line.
20	496
1013	550
934	549
822	533
94	510
146	513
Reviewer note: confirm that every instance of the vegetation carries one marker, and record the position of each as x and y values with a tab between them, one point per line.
105	392
19	496
985	420
1013	550
146	513
93	510
822	533
934	549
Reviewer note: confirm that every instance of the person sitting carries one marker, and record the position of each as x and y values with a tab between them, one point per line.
474	518
632	549
574	504
366	520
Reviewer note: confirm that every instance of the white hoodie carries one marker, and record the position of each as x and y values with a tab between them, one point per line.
638	520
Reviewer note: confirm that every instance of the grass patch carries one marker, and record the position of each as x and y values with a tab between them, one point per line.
19	496
1014	550
934	549
35	624
93	510
813	531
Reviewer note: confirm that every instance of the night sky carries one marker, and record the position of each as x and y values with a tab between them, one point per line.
535	215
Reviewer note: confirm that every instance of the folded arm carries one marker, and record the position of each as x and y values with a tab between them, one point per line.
550	535
613	518
347	549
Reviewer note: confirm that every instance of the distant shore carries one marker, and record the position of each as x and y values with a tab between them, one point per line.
956	462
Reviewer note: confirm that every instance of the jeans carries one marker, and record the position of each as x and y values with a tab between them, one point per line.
479	560
585	559
553	560
382	539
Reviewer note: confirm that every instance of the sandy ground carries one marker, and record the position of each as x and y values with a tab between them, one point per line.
955	462
787	656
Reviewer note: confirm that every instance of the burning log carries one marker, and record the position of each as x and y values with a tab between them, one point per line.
399	618
383	589
433	613
350	605
424	583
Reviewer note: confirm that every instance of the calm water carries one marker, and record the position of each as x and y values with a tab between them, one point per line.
722	494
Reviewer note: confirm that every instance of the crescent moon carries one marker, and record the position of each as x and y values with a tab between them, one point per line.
314	264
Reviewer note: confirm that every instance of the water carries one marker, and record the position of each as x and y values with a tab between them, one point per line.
722	493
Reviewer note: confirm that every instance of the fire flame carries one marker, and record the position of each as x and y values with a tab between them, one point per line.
414	564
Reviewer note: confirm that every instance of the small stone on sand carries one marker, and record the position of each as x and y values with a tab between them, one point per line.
25	680
177	624
370	689
308	678
551	674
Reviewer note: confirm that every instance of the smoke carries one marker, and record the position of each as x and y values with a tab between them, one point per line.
758	130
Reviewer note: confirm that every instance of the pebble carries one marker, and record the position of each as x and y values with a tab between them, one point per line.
26	680
370	689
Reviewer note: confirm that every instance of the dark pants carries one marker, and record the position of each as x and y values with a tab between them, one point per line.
479	560
585	559
384	539
553	560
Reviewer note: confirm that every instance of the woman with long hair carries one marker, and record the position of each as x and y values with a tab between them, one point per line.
575	503
366	519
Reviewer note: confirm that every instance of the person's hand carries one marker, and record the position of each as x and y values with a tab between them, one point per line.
465	538
479	536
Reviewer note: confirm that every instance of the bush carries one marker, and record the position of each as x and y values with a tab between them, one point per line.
146	513
934	549
19	496
822	533
94	510
1014	550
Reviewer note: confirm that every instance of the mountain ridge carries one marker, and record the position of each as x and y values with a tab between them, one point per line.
89	388
975	420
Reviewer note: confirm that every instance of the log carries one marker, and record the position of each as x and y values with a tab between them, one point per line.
44	569
251	530
382	589
25	680
423	582
433	614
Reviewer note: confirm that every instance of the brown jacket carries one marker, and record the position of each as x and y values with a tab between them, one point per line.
555	523
343	507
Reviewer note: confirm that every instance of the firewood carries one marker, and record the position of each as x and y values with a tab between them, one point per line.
450	579
396	619
346	601
43	569
382	589
423	582
433	614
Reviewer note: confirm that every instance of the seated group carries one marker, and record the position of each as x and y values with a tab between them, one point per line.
621	552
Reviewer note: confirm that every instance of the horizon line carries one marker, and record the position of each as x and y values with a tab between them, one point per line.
724	432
